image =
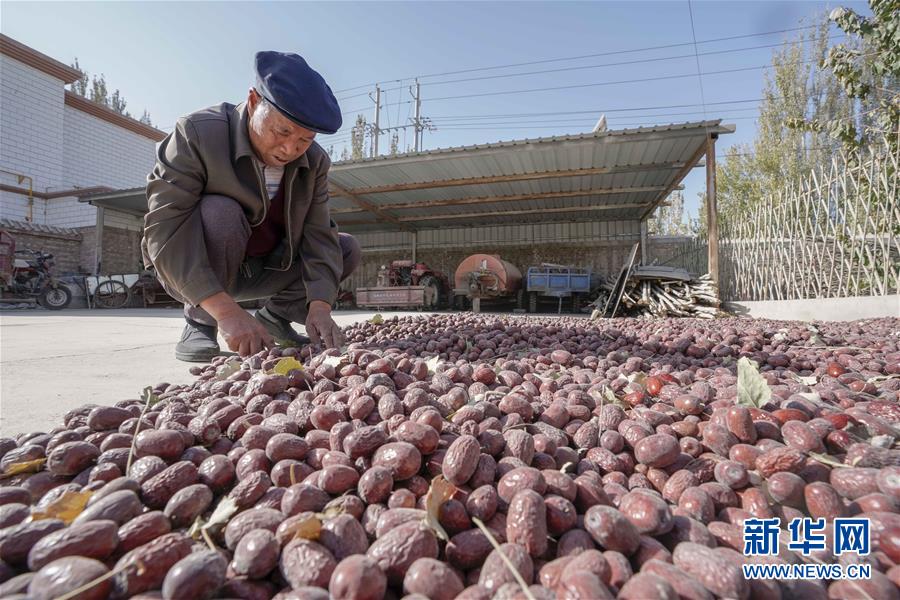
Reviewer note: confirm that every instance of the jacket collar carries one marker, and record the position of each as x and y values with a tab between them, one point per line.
241	138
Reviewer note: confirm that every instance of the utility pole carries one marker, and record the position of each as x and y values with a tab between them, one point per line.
418	122
376	133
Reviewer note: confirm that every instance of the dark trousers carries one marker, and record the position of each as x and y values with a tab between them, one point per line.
226	231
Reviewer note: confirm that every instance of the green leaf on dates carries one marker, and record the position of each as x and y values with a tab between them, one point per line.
225	509
815	398
228	368
286	365
637	377
149	397
377	319
811	380
336	361
827	460
752	389
432	364
815	339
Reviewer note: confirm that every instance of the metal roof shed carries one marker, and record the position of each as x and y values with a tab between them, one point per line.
621	175
618	176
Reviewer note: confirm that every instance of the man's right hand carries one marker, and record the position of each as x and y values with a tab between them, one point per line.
243	334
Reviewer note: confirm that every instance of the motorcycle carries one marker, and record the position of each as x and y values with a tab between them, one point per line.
31	278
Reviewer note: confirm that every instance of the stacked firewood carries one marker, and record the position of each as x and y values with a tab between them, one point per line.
661	297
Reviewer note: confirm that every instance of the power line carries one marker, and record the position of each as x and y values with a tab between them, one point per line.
697	58
620	82
612	64
607	53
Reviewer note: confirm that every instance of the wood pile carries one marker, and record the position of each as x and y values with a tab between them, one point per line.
660	293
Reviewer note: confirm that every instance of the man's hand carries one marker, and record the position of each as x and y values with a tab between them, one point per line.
243	334
321	327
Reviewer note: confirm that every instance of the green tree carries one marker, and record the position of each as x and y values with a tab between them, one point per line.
669	217
796	90
99	93
358	138
868	72
80	86
95	89
118	103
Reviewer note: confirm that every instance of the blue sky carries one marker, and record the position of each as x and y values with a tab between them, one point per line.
174	57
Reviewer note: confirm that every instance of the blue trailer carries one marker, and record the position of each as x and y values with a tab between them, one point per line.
557	282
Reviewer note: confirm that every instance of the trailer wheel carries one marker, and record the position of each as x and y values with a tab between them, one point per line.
532	302
520	299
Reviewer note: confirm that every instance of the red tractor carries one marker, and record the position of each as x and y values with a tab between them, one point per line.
403	273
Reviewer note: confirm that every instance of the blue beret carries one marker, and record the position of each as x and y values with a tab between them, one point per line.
298	91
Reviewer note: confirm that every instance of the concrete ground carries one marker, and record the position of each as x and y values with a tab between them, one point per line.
51	362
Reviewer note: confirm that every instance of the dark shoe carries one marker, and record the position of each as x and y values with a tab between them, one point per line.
280	329
198	343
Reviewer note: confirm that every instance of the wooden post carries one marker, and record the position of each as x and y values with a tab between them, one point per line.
712	214
415	240
645	258
98	241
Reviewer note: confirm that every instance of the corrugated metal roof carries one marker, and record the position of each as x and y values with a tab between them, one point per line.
616	175
131	200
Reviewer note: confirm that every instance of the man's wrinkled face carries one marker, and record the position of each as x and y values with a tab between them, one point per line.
276	139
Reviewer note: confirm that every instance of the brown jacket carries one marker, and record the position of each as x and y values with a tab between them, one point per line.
209	152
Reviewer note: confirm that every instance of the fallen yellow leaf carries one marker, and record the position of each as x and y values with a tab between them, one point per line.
28	466
440	491
286	365
65	508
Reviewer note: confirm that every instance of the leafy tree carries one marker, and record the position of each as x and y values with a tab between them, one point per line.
669	217
868	72
80	86
796	90
99	93
118	103
95	89
358	138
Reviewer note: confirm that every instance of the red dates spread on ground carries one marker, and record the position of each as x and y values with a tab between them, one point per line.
474	457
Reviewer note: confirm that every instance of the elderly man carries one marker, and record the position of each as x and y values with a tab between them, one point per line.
238	205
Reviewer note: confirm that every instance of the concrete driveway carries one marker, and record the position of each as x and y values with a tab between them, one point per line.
51	362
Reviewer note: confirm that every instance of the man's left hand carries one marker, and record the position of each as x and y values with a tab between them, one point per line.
321	327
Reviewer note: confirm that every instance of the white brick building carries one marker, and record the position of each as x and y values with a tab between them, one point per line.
66	146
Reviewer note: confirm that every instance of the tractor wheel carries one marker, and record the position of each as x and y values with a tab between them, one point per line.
460	302
532	302
432	292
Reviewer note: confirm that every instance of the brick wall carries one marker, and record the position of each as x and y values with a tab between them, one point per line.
64	245
121	244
